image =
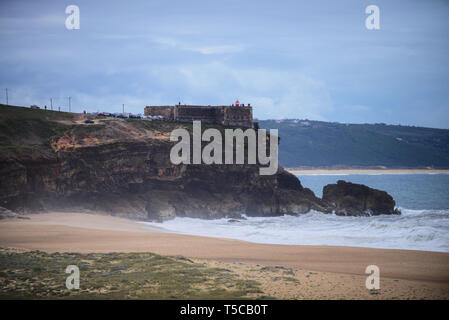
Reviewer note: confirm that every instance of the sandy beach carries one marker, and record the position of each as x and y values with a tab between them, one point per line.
323	271
366	171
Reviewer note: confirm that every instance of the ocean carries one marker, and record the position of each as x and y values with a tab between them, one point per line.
423	225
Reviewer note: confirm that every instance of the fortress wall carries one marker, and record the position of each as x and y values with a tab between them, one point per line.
238	116
165	111
223	115
192	113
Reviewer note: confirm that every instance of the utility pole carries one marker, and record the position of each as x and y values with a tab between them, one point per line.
123	109
70	107
6	96
51	104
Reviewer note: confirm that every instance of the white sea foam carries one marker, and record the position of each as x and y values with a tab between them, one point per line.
414	229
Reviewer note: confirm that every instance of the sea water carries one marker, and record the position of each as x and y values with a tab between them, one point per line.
423	225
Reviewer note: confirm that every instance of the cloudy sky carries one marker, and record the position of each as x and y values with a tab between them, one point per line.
310	59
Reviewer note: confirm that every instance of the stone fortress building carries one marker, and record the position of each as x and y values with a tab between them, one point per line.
236	115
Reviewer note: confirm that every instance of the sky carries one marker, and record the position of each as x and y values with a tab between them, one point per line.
288	59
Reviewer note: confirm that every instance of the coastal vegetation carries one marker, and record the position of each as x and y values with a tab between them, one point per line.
319	144
41	275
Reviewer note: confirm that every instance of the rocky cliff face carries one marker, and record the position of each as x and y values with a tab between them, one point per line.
137	179
123	168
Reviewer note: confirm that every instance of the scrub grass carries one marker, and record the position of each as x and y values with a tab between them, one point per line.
41	275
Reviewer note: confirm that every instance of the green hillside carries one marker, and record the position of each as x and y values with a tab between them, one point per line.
324	144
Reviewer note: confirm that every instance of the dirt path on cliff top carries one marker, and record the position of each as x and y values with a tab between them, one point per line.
78	232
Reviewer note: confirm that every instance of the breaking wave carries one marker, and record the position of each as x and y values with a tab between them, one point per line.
414	229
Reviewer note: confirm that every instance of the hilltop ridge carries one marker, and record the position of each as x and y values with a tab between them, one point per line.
319	144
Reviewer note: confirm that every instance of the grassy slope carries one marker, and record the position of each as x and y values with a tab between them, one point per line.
333	144
24	129
38	126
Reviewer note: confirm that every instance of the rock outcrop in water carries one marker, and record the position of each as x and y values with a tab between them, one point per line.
352	199
53	161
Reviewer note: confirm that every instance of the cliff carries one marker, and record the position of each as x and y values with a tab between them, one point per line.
55	161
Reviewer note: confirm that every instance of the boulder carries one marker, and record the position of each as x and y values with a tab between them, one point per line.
346	198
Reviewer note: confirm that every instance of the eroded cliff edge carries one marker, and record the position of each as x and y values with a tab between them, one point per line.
54	161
